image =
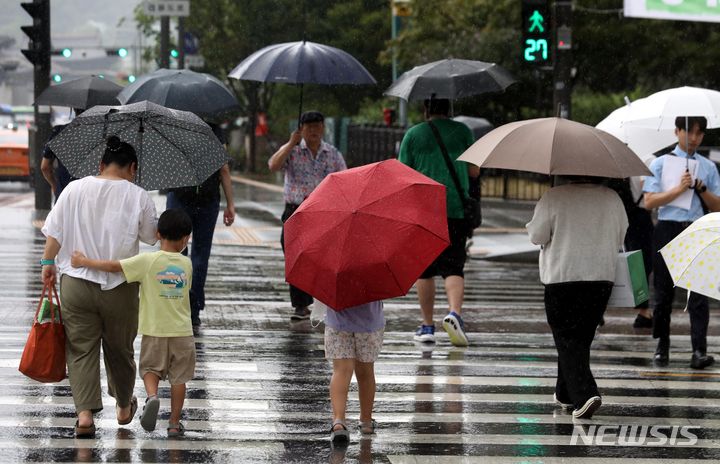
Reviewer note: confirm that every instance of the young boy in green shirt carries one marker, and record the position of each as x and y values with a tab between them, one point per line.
167	349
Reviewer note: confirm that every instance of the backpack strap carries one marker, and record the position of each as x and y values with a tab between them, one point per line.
448	162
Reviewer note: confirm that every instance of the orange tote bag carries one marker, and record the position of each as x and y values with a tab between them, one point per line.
43	358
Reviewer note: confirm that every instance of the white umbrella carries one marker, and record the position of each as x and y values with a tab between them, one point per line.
644	141
659	110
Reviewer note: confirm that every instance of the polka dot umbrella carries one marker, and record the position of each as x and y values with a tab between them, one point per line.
693	257
174	148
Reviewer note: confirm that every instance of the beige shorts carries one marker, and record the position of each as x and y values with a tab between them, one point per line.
362	346
171	358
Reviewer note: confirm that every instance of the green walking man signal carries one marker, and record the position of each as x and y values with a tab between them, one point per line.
536	32
537	21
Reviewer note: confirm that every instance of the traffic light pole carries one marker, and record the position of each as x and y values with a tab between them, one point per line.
38	53
562	75
165	42
181	42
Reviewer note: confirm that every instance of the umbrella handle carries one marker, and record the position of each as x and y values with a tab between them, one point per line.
300	107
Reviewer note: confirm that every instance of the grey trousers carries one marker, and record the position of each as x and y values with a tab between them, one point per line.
94	317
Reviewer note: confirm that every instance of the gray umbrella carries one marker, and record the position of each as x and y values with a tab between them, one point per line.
182	89
82	93
174	148
302	63
451	79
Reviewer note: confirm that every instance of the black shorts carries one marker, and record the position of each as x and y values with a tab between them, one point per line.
451	261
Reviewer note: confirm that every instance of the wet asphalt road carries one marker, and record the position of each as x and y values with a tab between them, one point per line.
260	392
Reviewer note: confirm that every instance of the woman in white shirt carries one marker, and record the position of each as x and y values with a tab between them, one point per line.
104	217
580	226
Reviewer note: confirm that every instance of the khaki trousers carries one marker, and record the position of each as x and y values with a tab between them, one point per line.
93	317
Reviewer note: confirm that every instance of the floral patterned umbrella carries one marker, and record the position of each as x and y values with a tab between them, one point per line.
693	257
174	148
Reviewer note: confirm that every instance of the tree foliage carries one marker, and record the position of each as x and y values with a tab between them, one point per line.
231	30
613	56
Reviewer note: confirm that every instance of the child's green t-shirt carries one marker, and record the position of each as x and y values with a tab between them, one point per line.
165	280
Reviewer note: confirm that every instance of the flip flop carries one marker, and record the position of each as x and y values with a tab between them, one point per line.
84	432
133	410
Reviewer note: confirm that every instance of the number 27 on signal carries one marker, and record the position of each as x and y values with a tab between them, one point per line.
534	46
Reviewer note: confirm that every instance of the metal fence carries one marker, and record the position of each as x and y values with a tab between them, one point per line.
371	143
368	143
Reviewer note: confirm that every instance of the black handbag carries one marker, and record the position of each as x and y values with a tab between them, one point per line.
471	206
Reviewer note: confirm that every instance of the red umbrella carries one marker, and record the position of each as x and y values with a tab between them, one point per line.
366	234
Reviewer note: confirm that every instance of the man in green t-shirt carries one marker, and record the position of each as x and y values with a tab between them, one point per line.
167	349
420	149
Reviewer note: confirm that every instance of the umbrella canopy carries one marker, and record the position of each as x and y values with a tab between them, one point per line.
174	148
659	110
644	141
182	89
451	79
693	257
82	93
555	146
302	63
365	234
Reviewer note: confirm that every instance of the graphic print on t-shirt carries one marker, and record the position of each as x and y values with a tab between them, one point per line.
173	280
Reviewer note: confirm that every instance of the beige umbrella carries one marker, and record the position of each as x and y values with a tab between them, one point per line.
555	146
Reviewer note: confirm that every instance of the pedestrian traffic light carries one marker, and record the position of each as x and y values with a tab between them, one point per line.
536	32
121	52
38	51
65	52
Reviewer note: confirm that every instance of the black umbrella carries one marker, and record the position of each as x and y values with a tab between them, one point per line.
182	89
174	148
82	93
451	79
302	63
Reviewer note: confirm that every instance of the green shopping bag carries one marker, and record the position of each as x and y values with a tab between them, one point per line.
631	285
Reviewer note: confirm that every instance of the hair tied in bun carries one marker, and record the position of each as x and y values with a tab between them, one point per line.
113	143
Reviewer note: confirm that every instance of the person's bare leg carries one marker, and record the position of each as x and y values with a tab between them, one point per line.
426	297
365	374
455	290
339	386
177	399
151	382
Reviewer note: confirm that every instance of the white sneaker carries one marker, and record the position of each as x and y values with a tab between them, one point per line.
453	325
588	409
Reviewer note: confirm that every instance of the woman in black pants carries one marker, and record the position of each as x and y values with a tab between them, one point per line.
580	227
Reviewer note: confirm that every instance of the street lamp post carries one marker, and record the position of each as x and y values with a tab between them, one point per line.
401	9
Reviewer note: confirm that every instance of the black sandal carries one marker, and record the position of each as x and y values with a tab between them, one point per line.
341	435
